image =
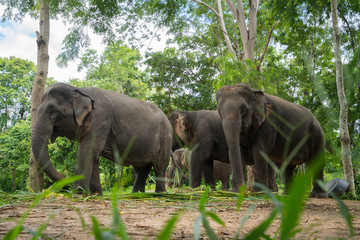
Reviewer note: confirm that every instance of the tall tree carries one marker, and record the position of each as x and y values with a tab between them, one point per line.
36	175
246	27
343	118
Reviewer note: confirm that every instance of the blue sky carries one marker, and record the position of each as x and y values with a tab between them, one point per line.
19	39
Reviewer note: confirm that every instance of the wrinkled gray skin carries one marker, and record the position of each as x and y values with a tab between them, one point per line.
243	110
103	122
221	170
204	133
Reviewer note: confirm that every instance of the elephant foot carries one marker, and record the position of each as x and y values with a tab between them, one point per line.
160	189
318	195
256	189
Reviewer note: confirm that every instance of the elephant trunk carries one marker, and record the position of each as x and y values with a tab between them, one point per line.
39	144
232	130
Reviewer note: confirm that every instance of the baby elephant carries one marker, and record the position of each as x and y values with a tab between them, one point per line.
180	160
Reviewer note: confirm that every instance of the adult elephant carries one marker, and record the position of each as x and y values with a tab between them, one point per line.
180	161
105	123
203	132
260	123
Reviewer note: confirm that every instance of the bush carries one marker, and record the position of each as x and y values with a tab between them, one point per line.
15	146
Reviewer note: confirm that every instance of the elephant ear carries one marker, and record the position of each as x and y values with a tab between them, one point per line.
260	109
183	158
183	127
82	105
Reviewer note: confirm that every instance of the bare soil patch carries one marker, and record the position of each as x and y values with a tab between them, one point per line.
144	219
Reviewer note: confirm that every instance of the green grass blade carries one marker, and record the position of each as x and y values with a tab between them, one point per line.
259	231
267	191
243	220
210	233
39	231
203	200
240	197
167	230
216	218
82	220
293	205
13	233
346	215
96	228
118	226
197	227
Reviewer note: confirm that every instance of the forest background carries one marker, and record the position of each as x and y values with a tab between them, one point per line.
292	58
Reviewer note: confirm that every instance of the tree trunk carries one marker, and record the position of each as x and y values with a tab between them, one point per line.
36	175
223	28
343	119
13	179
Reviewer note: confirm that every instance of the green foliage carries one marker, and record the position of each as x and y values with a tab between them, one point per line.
63	154
16	77
116	70
182	80
14	157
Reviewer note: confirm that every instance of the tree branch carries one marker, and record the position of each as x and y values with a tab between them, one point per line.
208	6
220	16
258	67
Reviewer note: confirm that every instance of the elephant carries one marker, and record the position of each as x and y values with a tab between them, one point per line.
178	161
221	170
256	123
203	132
105	123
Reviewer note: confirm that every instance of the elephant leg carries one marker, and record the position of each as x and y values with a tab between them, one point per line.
317	191
272	179
195	171
84	168
261	173
171	175
289	173
140	178
95	185
225	180
160	177
208	173
198	163
87	159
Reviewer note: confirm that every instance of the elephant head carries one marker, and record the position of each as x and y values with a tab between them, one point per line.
180	162
63	111
240	108
182	126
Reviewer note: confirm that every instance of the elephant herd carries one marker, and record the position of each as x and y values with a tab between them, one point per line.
248	128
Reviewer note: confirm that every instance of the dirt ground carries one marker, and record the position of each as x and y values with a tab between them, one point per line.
144	219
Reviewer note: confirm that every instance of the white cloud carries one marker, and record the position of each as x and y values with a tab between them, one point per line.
19	39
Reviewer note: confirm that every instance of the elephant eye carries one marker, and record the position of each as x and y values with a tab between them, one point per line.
243	109
53	113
